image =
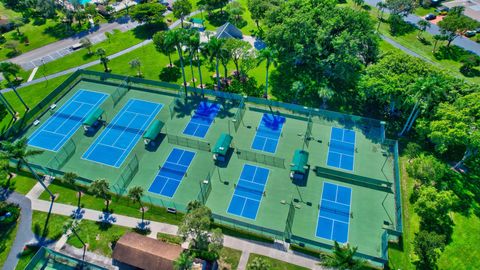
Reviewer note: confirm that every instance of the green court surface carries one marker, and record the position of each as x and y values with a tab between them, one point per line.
288	209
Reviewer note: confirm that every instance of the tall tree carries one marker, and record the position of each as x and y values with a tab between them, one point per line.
164	45
102	54
100	188
343	258
17	23
401	7
427	169
456	24
87	44
148	13
179	37
213	48
381	6
135	194
70	178
422	26
71	226
183	262
181	8
437	38
193	46
260	8
236	10
270	57
428	246
18	150
9	69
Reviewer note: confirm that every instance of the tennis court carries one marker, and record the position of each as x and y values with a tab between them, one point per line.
118	139
53	134
334	214
268	133
341	149
249	191
202	119
172	172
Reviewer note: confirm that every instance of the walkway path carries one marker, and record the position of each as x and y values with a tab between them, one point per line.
463	42
59	49
278	250
24	233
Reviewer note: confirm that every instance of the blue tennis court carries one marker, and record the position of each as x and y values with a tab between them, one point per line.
249	192
53	134
268	133
118	139
341	149
172	172
202	119
334	214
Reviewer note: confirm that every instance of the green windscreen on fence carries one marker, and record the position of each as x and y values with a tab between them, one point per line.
238	117
289	223
353	178
126	176
261	158
188	142
63	155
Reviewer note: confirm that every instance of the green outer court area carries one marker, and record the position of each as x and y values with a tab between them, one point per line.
289	209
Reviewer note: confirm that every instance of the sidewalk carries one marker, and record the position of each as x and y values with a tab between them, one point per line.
276	250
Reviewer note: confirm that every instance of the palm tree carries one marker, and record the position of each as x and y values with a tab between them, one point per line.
193	44
270	56
192	205
183	262
359	3
72	226
100	188
103	58
342	258
325	93
135	194
437	38
87	44
10	69
70	178
225	57
213	49
135	63
163	46
8	106
381	9
422	26
178	37
18	151
17	23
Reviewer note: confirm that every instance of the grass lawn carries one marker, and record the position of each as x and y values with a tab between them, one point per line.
7	236
118	41
231	256
23	183
32	95
54	228
421	11
98	239
168	238
122	206
276	264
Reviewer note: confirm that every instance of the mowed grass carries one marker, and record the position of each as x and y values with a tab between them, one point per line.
97	238
54	228
231	256
22	183
275	264
7	236
121	206
116	42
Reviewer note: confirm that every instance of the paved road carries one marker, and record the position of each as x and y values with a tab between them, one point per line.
59	49
463	42
24	233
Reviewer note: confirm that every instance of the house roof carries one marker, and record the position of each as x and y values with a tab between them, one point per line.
145	253
229	30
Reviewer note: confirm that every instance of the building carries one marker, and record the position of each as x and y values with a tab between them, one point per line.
145	253
229	30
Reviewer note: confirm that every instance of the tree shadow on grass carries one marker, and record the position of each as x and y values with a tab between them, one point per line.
452	52
59	31
218	18
170	74
146	31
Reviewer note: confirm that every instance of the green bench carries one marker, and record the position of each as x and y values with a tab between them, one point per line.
152	132
221	147
92	119
299	167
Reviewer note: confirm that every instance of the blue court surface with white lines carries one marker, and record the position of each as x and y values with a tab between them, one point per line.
53	134
334	214
122	133
172	172
249	192
341	149
268	133
202	119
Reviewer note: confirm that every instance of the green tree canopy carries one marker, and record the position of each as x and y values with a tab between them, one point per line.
427	169
148	12
259	8
428	247
181	8
455	24
342	258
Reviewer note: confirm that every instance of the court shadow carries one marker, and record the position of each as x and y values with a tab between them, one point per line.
228	156
153	145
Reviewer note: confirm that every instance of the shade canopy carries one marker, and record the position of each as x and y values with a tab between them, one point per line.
93	117
223	144
154	129
196	20
299	162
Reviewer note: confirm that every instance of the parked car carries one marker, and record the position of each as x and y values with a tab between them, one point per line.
442	10
470	33
430	17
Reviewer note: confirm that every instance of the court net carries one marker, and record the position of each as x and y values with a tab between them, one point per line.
120	91
63	155
188	142
289	222
250	190
353	179
308	132
126	176
261	158
238	117
335	211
